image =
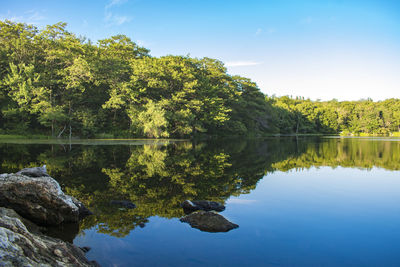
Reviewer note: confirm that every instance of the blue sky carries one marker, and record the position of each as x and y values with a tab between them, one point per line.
319	49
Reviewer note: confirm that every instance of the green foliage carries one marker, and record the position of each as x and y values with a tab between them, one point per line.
362	117
153	120
52	81
71	86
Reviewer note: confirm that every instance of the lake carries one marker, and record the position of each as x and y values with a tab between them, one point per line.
323	201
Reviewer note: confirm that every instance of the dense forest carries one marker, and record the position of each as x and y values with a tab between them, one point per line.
53	82
363	117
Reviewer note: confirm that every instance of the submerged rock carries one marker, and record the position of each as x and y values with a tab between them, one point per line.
123	203
209	221
190	206
20	247
39	199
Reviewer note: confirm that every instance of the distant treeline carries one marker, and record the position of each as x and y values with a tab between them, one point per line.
55	83
363	117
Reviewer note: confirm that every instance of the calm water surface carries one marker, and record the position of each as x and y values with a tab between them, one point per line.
297	201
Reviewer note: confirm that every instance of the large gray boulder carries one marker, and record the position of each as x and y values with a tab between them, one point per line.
39	198
20	247
209	221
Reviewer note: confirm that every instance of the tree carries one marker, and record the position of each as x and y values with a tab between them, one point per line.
152	120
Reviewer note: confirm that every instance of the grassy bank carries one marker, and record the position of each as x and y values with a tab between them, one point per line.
19	136
390	134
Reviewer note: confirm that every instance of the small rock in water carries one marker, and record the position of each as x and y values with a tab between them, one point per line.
123	203
83	211
85	249
209	221
34	172
190	206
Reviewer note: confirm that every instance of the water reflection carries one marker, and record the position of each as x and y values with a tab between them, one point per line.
157	177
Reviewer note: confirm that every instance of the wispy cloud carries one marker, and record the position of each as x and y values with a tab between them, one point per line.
34	15
241	63
269	30
30	17
113	19
307	20
144	43
115	3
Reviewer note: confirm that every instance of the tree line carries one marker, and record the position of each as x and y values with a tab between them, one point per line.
56	83
363	117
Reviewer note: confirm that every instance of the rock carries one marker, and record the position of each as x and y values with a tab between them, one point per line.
123	203
34	172
85	249
190	206
209	221
39	199
58	253
19	247
33	228
83	211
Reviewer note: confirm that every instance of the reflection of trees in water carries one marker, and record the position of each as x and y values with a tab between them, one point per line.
345	152
157	178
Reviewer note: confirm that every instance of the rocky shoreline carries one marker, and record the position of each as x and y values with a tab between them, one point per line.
30	200
32	203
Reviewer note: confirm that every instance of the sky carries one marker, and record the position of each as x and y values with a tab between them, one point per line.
318	49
